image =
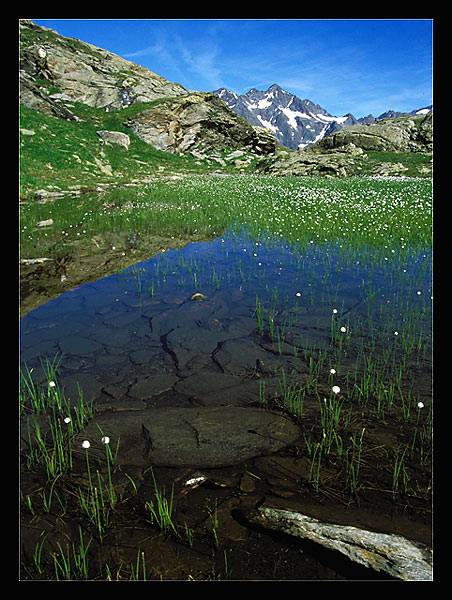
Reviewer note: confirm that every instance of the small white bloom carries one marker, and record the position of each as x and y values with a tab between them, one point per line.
105	439
336	389
418	293
333	371
67	420
420	405
343	329
52	384
85	444
298	294
396	333
334	311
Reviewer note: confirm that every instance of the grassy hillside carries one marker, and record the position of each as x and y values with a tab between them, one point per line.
56	154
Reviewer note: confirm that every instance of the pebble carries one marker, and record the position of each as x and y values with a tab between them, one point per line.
198	296
247	483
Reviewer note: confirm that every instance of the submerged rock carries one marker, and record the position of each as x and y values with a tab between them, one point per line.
198	437
198	296
393	554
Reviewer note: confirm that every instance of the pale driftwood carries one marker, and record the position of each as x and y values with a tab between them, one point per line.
393	554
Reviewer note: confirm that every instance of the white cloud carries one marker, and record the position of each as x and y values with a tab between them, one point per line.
149	50
178	57
201	59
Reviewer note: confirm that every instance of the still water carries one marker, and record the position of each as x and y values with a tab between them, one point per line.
136	338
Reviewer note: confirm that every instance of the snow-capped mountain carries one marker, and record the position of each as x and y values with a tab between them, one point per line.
393	114
295	123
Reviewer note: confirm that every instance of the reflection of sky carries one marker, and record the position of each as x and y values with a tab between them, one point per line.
315	277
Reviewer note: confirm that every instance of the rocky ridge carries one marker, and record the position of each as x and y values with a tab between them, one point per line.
346	151
81	72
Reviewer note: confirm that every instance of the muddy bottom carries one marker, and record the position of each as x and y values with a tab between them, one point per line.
207	536
214	406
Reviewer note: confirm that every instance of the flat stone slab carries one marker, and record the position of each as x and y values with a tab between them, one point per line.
239	357
153	385
208	388
198	437
78	345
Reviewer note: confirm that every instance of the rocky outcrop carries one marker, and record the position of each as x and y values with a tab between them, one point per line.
329	162
344	152
82	72
405	134
197	122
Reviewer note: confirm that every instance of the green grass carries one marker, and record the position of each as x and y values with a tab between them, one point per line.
72	566
61	155
68	155
161	510
359	215
414	161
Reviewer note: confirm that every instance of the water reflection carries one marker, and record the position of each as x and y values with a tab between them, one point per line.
272	310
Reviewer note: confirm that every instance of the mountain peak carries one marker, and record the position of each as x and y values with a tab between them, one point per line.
296	123
275	87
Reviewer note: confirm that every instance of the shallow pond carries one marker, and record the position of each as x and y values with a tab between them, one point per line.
336	338
136	335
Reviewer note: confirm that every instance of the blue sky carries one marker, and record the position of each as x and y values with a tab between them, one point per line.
360	66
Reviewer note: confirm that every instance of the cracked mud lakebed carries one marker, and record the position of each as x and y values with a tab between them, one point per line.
281	383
